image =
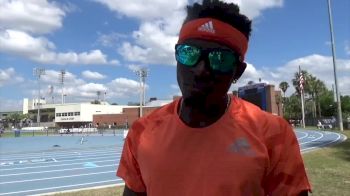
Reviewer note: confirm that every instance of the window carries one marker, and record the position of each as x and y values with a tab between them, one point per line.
58	114
70	113
64	114
76	113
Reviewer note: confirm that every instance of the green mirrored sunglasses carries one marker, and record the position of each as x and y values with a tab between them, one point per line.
221	60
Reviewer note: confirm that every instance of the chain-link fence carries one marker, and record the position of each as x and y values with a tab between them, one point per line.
63	132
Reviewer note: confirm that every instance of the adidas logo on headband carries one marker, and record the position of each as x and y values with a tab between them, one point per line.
207	27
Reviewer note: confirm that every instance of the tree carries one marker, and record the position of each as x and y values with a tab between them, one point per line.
345	106
16	118
278	100
313	88
284	86
292	107
295	81
327	104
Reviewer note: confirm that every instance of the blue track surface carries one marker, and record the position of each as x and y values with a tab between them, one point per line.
37	165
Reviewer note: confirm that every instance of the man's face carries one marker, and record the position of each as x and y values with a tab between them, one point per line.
200	81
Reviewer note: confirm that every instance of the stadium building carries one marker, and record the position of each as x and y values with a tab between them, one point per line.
76	115
102	114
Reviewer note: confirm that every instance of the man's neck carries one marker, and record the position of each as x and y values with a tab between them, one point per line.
203	112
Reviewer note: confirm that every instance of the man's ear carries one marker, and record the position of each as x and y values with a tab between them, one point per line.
240	70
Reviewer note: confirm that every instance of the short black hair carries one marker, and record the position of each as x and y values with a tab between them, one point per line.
226	12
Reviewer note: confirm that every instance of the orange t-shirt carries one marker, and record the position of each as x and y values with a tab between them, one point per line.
246	152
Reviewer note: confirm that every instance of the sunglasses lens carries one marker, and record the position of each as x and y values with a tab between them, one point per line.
187	55
223	61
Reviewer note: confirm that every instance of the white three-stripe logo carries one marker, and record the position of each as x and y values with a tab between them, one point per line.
207	27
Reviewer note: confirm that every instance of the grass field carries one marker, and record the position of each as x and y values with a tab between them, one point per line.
328	170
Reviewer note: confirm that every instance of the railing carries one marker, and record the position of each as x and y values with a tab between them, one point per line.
57	132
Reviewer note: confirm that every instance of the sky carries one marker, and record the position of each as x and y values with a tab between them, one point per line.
100	44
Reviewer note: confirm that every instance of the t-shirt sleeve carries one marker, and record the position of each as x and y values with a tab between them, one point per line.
129	169
286	174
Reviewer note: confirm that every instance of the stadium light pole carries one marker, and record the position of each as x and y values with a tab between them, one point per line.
340	118
62	75
38	72
142	73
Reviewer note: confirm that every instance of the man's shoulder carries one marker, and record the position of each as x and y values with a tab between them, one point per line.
253	113
249	109
156	116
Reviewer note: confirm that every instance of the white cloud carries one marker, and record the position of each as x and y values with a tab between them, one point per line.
160	22
175	86
9	76
41	50
347	47
124	88
93	75
21	43
77	89
34	16
134	67
317	65
155	39
111	39
92	87
145	9
153	44
253	8
152	9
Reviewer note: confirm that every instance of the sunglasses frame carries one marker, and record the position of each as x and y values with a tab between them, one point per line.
204	53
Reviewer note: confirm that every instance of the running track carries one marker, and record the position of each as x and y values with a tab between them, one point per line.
38	165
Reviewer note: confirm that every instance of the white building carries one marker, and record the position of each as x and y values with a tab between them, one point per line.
68	115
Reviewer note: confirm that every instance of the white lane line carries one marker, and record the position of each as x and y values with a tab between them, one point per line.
20	168
322	135
57	187
60	156
60	152
325	144
71	159
306	134
82	189
39	179
58	170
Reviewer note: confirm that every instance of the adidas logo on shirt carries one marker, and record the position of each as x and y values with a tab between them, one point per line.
207	27
241	146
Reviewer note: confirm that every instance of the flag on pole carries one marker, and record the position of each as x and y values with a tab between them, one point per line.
301	82
301	87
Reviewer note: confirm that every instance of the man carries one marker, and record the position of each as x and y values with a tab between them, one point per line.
206	142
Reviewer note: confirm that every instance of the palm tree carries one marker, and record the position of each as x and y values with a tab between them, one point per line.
313	88
295	81
284	86
278	100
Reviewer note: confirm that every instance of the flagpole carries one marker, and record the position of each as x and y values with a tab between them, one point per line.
340	118
302	97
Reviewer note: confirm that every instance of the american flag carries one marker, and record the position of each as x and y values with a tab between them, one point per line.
301	81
